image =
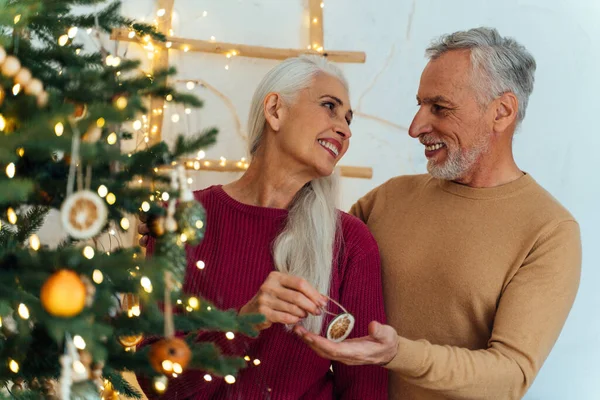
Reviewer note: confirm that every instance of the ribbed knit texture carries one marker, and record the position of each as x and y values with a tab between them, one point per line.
478	283
237	251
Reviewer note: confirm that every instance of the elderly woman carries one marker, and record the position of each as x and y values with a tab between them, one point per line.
275	244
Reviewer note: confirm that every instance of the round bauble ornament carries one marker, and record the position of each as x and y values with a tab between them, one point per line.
63	294
169	356
11	66
83	214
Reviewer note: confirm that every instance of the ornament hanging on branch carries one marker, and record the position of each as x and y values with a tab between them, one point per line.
83	214
341	326
63	294
130	304
11	68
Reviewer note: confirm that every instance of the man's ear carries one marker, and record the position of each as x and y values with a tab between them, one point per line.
272	108
506	108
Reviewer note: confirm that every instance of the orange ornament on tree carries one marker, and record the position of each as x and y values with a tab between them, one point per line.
169	356
63	294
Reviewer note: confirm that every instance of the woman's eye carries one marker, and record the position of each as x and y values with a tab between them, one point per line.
329	105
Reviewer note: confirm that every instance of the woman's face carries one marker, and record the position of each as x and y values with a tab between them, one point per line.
314	131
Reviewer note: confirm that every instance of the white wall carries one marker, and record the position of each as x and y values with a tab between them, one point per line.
557	142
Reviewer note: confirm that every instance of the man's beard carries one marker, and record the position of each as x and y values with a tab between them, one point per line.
458	161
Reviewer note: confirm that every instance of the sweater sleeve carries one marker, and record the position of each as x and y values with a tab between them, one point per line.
530	315
361	294
363	208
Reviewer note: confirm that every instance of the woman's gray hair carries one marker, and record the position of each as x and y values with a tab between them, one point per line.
500	64
305	247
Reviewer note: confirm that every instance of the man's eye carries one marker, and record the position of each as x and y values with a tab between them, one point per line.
435	108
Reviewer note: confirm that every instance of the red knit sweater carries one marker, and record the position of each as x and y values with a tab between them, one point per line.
237	252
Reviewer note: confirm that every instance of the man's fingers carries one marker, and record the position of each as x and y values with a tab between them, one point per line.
144	241
143	229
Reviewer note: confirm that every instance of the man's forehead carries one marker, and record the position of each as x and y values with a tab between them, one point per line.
446	75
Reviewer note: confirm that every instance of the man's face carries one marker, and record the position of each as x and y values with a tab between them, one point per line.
451	122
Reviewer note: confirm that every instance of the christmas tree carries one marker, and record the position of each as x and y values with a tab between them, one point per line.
72	315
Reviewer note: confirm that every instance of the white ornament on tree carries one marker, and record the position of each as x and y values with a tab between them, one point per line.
83	214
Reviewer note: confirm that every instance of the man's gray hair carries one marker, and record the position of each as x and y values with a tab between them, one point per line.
500	64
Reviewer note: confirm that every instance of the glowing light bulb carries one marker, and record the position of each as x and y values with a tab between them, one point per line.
137	124
79	342
102	191
111	198
112	138
230	379
23	311
124	223
200	264
145	206
63	40
72	32
230	335
13	366
10	170
34	242
88	252
97	276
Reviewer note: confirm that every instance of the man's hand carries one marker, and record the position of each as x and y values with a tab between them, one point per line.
379	348
284	299
145	232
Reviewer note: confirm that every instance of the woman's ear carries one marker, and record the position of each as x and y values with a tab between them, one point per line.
272	107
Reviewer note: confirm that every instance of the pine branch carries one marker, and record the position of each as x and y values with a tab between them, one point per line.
31	222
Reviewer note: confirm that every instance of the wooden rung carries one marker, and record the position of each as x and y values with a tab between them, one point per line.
241	166
242	50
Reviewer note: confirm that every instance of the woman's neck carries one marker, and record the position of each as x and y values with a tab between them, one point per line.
268	182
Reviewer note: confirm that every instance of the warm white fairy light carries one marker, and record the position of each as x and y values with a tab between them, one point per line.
207	163
146	284
201	155
79	368
186	48
131	35
207	378
88	30
190	85
169	97
97	276
227	67
168	45
190	181
322	5
34	242
79	342
208	308
230	379
256	362
63	40
21	151
17	18
12	215
137	124
111	198
72	32
188	111
230	335
112	232
213	38
147	38
2	122
100	122
112	138
59	129
13	366
165	196
145	206
10	170
23	311
199	224
223	161
183	238
200	264
315	20
88	252
247	358
146	139
16	89
205	13
161	12
194	302
102	191
167	365
160	385
124	223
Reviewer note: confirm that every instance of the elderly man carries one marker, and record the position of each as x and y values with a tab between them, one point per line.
480	264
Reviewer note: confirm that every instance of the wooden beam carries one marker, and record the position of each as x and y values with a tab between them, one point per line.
241	50
241	166
315	14
160	62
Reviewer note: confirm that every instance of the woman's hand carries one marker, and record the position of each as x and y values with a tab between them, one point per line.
284	299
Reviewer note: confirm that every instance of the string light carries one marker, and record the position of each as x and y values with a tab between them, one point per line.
88	252
121	102
146	284
12	215
175	118
137	124
59	129
230	335
13	366
145	206
79	342
112	138
322	5
222	162
124	223
77	51
200	264
111	198
315	20
256	362
213	38
102	191
16	89
227	67
190	85
169	97
131	35
23	311
97	276
63	40
10	170
201	155
177	368
134	312
230	379
188	111
34	242
161	12
183	238
207	378
72	32
17	18
247	358
207	163
112	232
168	45
21	151
160	384
2	122
147	38
199	224
165	196
194	302
100	122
